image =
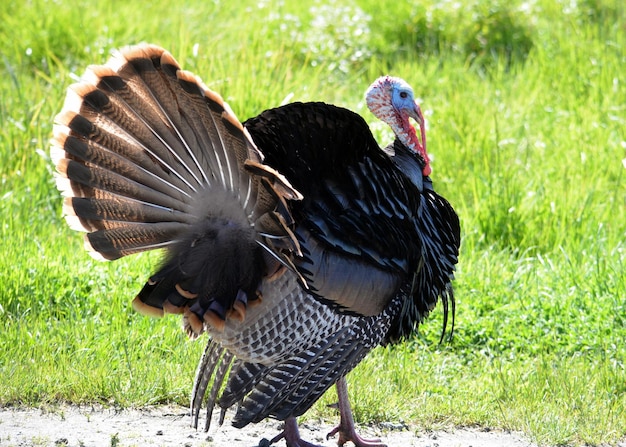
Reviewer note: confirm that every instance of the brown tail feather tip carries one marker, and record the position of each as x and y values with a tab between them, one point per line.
144	309
278	181
188	76
214	320
71	105
64	184
142	50
91	250
185	293
76	94
73	221
123	55
192	324
238	311
170	308
57	142
95	73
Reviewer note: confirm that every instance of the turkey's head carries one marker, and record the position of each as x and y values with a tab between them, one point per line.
392	101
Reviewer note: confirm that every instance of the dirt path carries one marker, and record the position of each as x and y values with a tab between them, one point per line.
169	426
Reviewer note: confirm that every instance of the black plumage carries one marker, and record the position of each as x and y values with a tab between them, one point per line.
293	239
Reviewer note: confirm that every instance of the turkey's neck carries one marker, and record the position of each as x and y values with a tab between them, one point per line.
408	162
407	136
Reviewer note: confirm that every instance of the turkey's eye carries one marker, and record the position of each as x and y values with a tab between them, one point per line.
404	95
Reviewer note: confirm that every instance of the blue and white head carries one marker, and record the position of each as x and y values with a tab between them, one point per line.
392	101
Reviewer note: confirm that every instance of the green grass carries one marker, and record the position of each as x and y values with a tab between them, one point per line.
526	104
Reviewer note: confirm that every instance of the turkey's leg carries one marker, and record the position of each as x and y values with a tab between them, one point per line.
291	435
346	427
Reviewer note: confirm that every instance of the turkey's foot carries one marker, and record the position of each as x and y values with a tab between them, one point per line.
349	434
346	428
291	435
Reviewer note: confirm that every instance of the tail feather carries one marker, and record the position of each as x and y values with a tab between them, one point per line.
206	366
220	375
111	212
213	367
131	238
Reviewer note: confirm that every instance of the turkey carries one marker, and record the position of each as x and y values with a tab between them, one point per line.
293	239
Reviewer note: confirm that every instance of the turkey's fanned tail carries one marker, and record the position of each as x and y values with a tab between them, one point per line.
148	157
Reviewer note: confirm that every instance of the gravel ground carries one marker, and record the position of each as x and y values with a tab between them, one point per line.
170	426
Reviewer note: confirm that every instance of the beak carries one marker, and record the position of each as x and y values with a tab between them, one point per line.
416	114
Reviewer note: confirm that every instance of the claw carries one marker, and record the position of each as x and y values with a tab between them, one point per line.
346	429
291	435
347	434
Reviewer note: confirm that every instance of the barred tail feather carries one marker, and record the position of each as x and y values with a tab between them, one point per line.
214	360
